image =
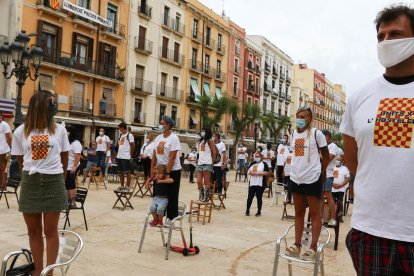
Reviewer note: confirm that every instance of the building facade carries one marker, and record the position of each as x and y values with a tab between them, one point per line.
84	64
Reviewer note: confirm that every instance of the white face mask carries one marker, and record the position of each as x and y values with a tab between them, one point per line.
395	51
101	133
257	159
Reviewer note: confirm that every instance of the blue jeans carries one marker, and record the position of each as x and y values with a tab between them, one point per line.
158	205
242	164
101	156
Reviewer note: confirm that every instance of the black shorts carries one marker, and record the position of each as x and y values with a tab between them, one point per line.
123	165
313	189
70	182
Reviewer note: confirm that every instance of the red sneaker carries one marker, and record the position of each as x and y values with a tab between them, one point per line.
153	223
160	224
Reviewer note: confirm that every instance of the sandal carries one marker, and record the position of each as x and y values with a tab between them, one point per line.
309	255
293	250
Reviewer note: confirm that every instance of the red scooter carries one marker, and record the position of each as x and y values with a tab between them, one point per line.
191	250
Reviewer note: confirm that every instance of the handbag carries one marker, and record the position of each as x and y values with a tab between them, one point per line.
22	270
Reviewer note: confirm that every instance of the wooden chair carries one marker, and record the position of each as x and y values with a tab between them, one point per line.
12	186
79	200
220	197
226	187
288	238
140	184
347	201
124	198
285	214
203	210
96	176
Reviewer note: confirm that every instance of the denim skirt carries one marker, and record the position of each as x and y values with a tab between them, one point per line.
42	193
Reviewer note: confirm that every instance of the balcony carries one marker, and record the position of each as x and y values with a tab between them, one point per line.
250	66
210	43
275	72
141	87
236	91
3	39
220	76
237	50
283	95
209	71
288	98
145	11
143	45
231	127
267	67
257	69
221	49
288	79
196	36
169	93
191	99
44	6
107	109
117	31
282	75
237	70
195	66
170	56
79	104
266	89
172	25
139	118
274	94
251	88
86	23
177	122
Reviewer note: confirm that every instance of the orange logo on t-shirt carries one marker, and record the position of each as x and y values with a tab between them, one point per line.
300	147
282	150
289	160
254	168
40	147
122	141
336	174
203	147
100	141
161	148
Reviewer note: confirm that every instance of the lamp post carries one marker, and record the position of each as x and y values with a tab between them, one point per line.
22	57
256	127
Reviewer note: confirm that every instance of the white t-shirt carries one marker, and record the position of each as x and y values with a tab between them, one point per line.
222	149
108	154
163	147
241	155
281	150
256	180
268	155
204	153
124	149
333	149
74	148
339	175
288	163
192	157
306	165
4	129
340	152
40	150
102	143
380	118
148	149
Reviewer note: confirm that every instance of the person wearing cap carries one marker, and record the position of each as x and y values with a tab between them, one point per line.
166	148
5	143
327	187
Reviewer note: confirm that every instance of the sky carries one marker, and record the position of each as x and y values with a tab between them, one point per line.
335	37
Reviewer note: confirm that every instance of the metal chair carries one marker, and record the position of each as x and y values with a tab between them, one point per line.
80	198
12	186
182	212
287	238
279	191
70	245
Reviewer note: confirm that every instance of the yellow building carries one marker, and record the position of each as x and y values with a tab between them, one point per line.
205	45
84	45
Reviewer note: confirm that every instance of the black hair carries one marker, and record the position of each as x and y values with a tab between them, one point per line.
207	136
392	13
217	134
123	125
72	134
260	149
269	146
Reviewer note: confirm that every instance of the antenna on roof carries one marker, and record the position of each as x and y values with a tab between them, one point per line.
223	13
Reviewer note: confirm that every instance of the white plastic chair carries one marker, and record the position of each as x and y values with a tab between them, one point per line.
70	245
287	239
182	212
278	191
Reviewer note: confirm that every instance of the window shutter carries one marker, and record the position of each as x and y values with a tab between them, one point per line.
59	42
90	53
113	56
39	31
74	39
100	62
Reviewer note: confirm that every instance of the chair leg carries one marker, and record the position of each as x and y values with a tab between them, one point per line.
84	218
7	202
167	249
276	261
290	268
143	234
67	219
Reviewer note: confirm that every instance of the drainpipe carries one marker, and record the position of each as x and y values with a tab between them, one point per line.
202	65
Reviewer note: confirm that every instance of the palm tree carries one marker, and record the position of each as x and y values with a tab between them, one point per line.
274	124
220	106
337	137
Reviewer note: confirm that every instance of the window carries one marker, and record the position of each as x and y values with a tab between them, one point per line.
192	119
218	72
165	47
208	36
46	82
107	105
235	86
175	88
272	106
107	59
81	49
166	15
111	14
195	28
142	33
237	47
83	3
50	37
163	84
249	100
219	40
236	66
139	77
163	109
174	112
206	64
177	25
257	85
77	100
138	116
177	52
194	58
264	105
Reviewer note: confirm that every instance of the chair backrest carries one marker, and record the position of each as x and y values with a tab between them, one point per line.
324	236
13	184
70	245
81	194
182	208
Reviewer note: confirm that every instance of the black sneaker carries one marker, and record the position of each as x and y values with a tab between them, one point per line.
258	214
247	213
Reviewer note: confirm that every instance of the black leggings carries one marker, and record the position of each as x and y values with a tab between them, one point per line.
255	191
279	174
174	190
146	165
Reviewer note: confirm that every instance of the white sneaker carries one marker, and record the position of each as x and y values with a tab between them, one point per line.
167	223
332	223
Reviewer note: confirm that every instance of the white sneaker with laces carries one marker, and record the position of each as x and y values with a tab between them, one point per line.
167	223
332	223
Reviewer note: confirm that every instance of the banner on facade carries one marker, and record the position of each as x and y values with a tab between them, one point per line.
7	106
85	13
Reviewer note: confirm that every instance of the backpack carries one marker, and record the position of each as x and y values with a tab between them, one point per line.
127	137
218	155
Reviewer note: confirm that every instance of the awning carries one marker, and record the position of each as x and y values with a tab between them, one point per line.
218	92
73	121
106	124
7	106
194	121
206	89
194	89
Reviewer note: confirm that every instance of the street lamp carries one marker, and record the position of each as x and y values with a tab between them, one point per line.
22	57
256	128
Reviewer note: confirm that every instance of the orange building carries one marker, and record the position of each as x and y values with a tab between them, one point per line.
84	44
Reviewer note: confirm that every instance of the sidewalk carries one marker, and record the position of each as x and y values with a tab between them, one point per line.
232	244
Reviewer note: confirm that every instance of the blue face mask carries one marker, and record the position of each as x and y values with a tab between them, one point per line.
300	123
161	128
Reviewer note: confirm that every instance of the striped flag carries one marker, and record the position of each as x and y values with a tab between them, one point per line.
7	106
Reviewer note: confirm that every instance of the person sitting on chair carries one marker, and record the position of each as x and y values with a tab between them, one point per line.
160	193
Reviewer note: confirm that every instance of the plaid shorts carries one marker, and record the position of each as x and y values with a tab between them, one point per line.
373	255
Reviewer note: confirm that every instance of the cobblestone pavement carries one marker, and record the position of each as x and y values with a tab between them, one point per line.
232	244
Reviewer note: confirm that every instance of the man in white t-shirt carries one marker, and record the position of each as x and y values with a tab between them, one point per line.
123	158
192	158
327	187
103	144
5	143
241	158
378	140
280	159
341	179
219	167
